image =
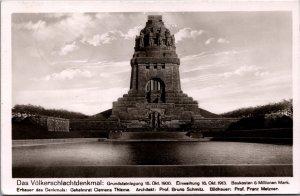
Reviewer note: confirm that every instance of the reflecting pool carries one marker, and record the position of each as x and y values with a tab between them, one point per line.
151	153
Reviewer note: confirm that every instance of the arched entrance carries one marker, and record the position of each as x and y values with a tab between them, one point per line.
155	91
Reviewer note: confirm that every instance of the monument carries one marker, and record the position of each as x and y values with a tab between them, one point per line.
155	99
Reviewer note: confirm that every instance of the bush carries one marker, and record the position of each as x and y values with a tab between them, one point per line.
284	107
38	110
262	122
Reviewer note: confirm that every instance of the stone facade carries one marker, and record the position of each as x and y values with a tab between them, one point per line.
155	98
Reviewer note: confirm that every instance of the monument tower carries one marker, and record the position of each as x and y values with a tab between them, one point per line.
155	98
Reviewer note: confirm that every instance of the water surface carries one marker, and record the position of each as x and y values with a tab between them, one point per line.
151	153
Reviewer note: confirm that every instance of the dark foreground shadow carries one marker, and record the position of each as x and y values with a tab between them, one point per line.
155	171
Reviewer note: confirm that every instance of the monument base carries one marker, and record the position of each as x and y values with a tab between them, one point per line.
151	136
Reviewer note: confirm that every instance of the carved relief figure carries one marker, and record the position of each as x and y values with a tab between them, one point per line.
151	40
160	40
154	120
142	40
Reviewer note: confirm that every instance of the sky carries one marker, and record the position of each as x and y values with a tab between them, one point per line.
81	61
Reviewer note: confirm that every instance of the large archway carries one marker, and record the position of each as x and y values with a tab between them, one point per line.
155	91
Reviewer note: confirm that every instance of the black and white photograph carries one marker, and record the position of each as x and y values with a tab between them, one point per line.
151	93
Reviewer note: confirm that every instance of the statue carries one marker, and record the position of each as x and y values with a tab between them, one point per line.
136	41
168	33
159	120
147	30
151	40
142	40
173	40
151	120
168	40
156	120
160	40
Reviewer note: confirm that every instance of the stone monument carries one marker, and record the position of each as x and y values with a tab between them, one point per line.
155	99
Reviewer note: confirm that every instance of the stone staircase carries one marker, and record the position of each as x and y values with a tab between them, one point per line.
178	106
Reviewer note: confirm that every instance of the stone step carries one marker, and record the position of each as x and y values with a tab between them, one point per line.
153	136
186	102
127	103
135	98
140	99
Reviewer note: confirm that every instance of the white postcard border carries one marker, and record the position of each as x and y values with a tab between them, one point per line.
9	184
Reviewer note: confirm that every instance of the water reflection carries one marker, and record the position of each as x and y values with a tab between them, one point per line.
151	153
155	153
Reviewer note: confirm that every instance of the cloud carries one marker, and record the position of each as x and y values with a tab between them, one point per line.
240	92
132	32
68	48
32	26
209	41
187	33
229	52
69	74
222	41
56	15
202	66
108	37
245	69
209	54
75	61
171	26
262	73
104	38
219	40
65	30
77	24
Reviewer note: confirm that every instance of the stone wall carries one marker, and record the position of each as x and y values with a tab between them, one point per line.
52	123
58	124
87	125
198	125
